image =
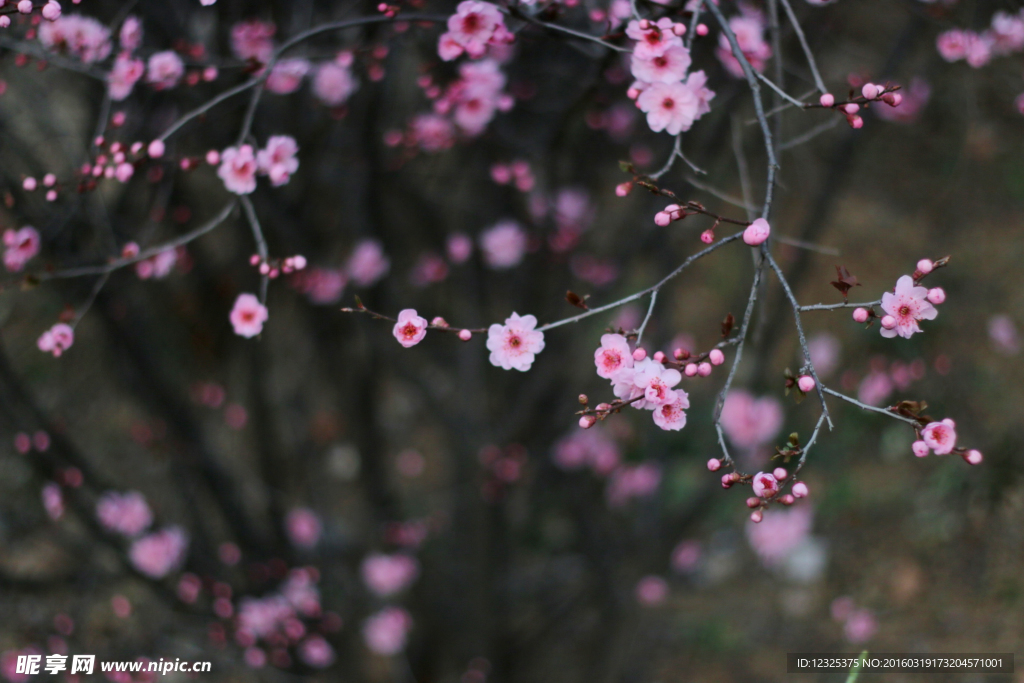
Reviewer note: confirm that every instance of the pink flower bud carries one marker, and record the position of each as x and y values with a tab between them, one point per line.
679	29
851	108
587	421
49	180
465	335
702	29
25	6
780	473
707	237
157	149
714	464
5	21
753	502
757	232
896	99
603	407
936	295
924	266
806	383
639	354
704	369
716	357
623	189
800	490
213	157
861	315
787	499
51	10
299	262
645	24
920	449
680	354
439	322
973	457
659	357
856	122
726	481
690	370
29	184
888	322
869	91
756	516
662	219
827	100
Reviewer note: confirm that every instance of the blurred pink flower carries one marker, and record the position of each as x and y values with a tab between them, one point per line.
750	422
164	69
159	553
316	652
779	532
386	631
253	40
124	513
503	245
386	575
1003	334
303	526
651	590
367	264
19	247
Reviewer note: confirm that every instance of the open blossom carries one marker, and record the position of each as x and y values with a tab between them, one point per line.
253	40
765	485
165	69
432	132
654	40
473	27
749	421
657	381
514	344
503	245
952	45
56	340
668	67
387	575
672	416
287	75
158	554
130	36
238	168
84	37
334	83
303	527
749	30
385	632
940	436
278	160
670	107
908	306
248	316
476	96
697	83
20	246
410	328
612	355
124	513
122	78
316	652
367	264
157	266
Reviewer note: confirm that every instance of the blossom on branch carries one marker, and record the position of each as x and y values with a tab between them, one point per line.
410	328
514	344
907	306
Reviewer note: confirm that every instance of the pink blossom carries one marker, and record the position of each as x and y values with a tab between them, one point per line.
253	40
613	355
157	266
429	269
316	652
159	553
594	449
920	449
629	482
757	232
164	70
410	328
20	246
697	83
238	168
367	264
130	36
940	436
671	416
670	107
860	626
651	590
749	30
278	160
56	340
765	485
473	27
53	501
1003	334
1007	31
825	350
432	132
657	381
248	316
386	631
124	75
915	99
875	388
287	74
261	617
685	556
303	527
514	344
322	285
459	247
84	37
124	513
979	49
779	533
908	305
952	45
387	575
750	422
334	83
300	592
503	245
654	40
475	97
668	67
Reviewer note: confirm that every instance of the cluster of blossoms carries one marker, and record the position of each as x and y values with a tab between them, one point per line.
907	305
386	576
240	165
940	438
158	554
20	246
869	92
57	339
472	29
672	100
472	100
84	38
749	28
155	267
767	487
124	513
1004	36
366	265
599	452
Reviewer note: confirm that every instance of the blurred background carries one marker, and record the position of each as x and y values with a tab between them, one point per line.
319	502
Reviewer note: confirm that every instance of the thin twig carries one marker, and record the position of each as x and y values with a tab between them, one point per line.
829	251
742	336
261	242
810	135
780	91
865	406
832	307
647	318
807	48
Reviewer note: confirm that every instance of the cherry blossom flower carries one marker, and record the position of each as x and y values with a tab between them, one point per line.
749	30
697	83
124	513
334	83
322	285
613	355
475	97
80	36
158	554
765	485
20	246
387	575
287	74
238	168
593	448
630	482
303	527
368	264
750	422
779	533
514	344
248	316
940	436
671	416
668	67
56	340
670	107
253	40
473	27
316	652
875	388
952	45
432	132
908	305
386	631
157	266
278	160
164	69
503	245
757	232
654	40
130	36
657	381
459	247
124	75
410	328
